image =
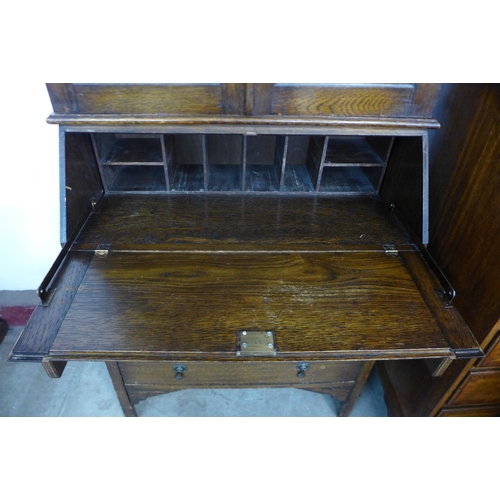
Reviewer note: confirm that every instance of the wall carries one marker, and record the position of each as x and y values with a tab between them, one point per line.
29	186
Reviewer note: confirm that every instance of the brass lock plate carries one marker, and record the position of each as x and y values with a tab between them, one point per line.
255	343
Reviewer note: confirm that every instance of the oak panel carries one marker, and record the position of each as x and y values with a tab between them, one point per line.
479	388
342	100
149	98
168	305
208	222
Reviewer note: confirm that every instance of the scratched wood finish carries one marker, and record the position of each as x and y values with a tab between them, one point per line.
154	305
41	329
209	222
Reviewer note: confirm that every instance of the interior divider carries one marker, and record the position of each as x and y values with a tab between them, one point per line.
283	163
316	159
244	162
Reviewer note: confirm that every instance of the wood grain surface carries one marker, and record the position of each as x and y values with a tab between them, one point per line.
166	305
245	222
342	100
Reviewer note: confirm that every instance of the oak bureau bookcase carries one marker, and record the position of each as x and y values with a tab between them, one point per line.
244	235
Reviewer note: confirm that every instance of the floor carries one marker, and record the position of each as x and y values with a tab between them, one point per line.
85	390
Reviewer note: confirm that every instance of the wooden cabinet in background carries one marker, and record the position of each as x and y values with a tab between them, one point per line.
464	158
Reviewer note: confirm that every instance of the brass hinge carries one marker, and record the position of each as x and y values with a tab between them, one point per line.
390	250
102	250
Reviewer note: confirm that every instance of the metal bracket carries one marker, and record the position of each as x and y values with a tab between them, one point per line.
255	343
42	289
48	296
448	292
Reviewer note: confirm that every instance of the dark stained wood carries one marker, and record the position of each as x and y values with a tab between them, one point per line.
161	375
402	183
350	180
139	178
479	387
466	200
362	377
451	323
315	159
411	390
474	411
121	390
351	151
54	369
176	305
328	125
342	100
424	99
492	359
262	99
335	378
151	98
135	151
62	97
233	98
215	222
38	335
81	180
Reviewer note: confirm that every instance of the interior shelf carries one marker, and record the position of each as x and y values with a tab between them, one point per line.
236	163
350	180
138	178
134	151
351	151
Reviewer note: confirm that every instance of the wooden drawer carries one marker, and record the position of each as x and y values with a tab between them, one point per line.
249	373
492	359
477	411
481	387
145	379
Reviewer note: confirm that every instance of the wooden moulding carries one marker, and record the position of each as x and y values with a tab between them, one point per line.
295	123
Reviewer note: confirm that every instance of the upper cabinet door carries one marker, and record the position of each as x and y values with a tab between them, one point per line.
341	100
130	99
250	99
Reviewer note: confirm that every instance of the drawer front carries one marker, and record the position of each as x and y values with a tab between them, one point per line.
492	359
242	373
480	388
477	411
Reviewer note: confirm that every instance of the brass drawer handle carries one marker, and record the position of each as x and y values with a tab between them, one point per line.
302	368
179	370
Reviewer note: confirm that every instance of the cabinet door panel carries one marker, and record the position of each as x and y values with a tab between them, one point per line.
479	388
335	99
